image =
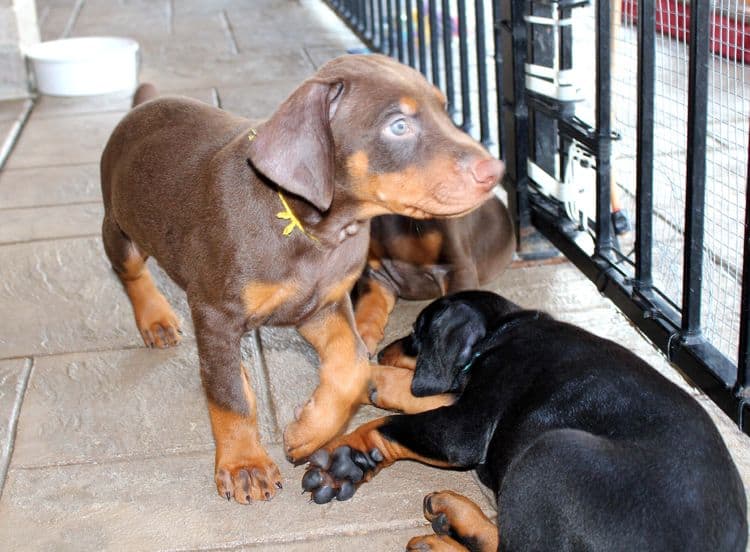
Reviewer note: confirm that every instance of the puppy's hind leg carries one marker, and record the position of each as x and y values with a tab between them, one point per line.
459	520
154	317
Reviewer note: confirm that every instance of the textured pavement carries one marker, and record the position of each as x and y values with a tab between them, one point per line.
105	445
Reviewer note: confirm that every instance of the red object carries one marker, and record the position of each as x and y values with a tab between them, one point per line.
730	37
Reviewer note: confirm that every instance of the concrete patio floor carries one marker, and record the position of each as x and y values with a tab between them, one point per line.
106	445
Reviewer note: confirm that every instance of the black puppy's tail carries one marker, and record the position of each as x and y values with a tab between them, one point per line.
144	93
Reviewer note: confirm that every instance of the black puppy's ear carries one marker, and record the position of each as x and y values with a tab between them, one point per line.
453	334
295	149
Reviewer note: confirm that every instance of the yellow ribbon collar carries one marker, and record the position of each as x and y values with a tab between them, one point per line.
294	222
287	213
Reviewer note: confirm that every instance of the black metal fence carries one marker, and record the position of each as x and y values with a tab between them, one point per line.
656	123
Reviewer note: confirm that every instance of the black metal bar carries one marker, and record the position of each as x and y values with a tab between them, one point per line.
421	38
482	90
410	33
434	44
498	24
359	16
696	167
381	26
450	91
400	31
699	360
603	127
644	178
391	28
370	15
515	113
463	53
743	357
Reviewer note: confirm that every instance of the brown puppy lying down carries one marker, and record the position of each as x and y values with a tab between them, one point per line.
425	259
270	226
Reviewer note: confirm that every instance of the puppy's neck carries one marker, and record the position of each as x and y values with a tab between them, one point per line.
340	223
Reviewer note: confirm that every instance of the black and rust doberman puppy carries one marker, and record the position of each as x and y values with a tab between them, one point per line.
270	226
585	445
426	259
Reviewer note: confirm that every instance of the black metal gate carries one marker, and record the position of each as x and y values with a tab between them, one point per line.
658	126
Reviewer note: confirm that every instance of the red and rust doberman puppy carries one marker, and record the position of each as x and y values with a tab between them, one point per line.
425	259
270	226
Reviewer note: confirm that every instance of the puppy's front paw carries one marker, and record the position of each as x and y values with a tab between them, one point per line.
338	474
158	324
313	428
250	480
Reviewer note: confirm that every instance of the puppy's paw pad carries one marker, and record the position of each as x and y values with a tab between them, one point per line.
338	474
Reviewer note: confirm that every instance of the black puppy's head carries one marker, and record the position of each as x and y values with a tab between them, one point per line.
445	337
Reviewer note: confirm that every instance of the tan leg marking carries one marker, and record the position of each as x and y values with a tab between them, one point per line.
393	355
344	375
243	468
336	293
434	543
367	437
154	317
454	514
393	392
371	313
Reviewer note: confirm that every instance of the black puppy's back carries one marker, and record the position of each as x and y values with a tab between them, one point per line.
595	450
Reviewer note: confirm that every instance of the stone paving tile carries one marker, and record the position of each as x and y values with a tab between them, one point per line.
256	101
39	223
303	24
95	407
63	140
171	503
321	54
42	186
63	296
386	540
11	109
51	106
168	68
13	377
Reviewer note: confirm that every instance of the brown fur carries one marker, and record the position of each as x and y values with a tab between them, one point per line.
454	515
425	259
246	473
201	191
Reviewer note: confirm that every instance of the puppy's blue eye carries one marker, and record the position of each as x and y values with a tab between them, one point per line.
399	127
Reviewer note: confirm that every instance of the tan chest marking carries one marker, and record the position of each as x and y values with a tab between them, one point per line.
263	298
337	292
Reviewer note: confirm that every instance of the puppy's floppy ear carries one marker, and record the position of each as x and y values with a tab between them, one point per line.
454	333
295	149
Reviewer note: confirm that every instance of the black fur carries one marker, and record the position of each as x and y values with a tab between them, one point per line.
585	445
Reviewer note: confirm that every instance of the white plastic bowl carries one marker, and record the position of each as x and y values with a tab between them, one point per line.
85	66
